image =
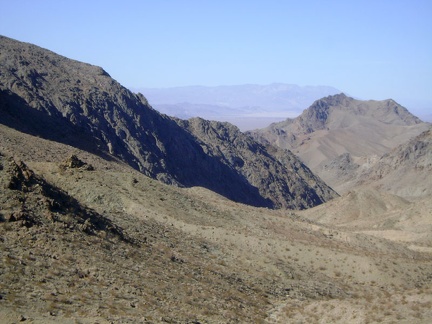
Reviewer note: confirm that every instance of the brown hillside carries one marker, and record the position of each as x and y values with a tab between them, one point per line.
382	214
339	134
406	170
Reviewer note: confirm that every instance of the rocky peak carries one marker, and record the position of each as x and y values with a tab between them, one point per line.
338	135
316	117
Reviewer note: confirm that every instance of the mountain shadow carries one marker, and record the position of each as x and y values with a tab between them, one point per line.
17	114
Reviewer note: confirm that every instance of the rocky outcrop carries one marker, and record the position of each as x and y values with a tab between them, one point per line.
30	200
73	162
48	95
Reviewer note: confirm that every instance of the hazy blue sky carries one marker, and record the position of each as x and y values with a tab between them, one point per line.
369	49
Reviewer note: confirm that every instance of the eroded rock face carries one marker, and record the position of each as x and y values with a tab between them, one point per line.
79	104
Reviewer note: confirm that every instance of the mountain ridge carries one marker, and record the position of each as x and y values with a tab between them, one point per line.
337	130
91	109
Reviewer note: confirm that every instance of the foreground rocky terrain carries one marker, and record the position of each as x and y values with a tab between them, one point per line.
98	241
338	137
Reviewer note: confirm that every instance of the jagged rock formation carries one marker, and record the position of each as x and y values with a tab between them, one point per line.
338	134
51	96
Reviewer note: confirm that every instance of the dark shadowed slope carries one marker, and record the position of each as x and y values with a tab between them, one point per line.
275	172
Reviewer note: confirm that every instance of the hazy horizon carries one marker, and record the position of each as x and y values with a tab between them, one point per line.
369	50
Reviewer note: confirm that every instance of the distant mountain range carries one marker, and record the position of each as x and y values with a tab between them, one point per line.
427	118
247	106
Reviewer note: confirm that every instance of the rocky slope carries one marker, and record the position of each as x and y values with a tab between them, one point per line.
29	200
283	174
75	103
405	171
87	239
338	134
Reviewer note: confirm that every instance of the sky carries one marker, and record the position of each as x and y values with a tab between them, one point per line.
370	49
